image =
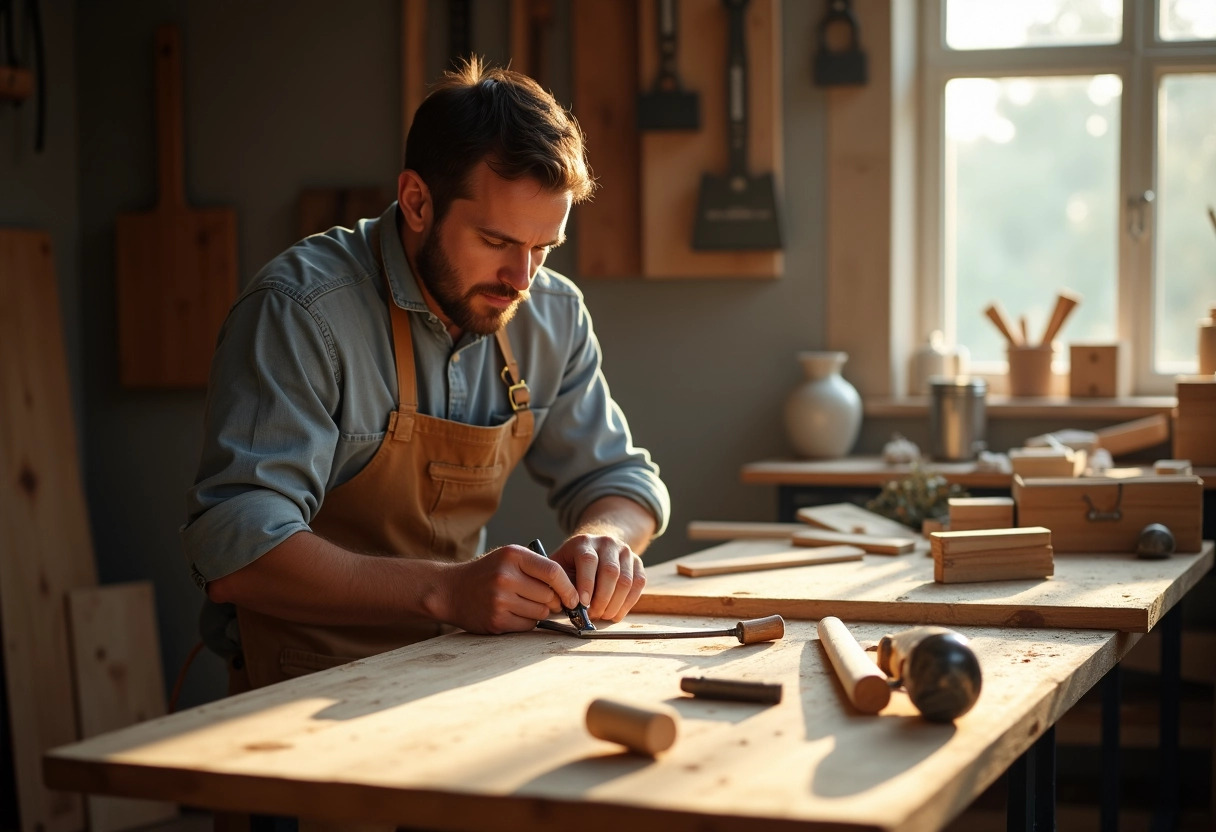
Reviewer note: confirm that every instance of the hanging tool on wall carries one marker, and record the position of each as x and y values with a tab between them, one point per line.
736	211
17	82
840	66
667	105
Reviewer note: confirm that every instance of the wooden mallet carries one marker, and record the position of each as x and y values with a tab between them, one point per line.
866	686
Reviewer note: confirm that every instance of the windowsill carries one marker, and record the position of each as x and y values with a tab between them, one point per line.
1047	407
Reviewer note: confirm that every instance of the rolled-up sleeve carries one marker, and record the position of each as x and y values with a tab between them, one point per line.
584	449
269	434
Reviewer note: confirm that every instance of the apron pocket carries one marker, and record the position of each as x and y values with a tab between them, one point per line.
465	499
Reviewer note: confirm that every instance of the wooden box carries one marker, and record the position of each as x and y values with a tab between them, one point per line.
1195	420
1047	462
1098	371
1103	514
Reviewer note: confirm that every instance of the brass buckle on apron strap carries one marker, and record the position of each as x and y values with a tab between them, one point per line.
518	393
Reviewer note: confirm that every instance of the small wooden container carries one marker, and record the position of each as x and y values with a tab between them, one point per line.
1030	370
1098	371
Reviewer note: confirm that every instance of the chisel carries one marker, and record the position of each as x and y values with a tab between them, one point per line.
752	631
578	616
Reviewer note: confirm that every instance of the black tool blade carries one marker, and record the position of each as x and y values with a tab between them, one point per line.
737	212
667	106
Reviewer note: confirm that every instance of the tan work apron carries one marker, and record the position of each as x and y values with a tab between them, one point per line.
431	487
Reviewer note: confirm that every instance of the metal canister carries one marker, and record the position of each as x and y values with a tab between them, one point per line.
957	417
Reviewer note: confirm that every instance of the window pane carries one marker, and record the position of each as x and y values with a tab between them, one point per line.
1188	20
1186	235
1009	24
1030	201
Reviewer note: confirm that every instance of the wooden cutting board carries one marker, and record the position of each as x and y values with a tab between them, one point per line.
1104	592
176	265
45	546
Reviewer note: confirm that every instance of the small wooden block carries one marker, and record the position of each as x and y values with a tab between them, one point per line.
956	542
1170	467
726	530
969	513
780	560
1047	462
852	519
868	543
1098	371
1195	423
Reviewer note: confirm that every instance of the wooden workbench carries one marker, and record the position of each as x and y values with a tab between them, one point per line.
1114	592
486	733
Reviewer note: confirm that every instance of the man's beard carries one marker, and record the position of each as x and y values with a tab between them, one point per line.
442	281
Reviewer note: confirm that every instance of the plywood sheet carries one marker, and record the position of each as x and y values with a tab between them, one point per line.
45	545
673	161
119	682
486	733
1116	592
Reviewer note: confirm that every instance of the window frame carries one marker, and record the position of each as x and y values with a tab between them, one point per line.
1140	59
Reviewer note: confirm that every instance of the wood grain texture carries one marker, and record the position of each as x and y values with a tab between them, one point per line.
672	162
320	209
46	548
776	560
740	530
605	77
866	686
175	266
1115	592
452	734
866	471
119	682
850	519
873	544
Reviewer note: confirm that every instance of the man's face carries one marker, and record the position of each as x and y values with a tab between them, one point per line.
477	263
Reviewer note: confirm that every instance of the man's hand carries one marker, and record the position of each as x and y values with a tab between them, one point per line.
609	575
506	590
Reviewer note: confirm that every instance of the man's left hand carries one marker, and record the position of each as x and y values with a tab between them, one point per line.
608	575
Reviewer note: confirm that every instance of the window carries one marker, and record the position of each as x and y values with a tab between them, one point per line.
1071	144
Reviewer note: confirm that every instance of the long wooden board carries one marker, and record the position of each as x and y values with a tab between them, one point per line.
605	76
116	656
45	545
451	734
1115	592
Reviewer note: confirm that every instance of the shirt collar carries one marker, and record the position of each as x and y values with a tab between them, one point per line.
405	289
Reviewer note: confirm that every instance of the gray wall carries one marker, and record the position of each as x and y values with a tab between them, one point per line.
286	94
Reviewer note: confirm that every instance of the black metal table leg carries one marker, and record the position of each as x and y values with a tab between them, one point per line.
1167	813
1045	781
1112	700
787	506
1019	795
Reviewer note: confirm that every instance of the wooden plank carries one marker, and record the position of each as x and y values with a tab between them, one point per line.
450	733
776	560
985	540
851	519
45	545
867	543
413	61
119	682
672	161
739	530
1136	435
863	471
605	102
1112	591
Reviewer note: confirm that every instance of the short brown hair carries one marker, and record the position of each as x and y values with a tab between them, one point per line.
477	113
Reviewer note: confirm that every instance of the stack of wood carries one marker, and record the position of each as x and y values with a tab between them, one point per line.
972	513
1050	461
992	555
1195	422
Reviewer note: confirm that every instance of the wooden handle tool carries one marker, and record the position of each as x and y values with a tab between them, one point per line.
1065	303
640	730
735	690
866	686
752	631
936	666
997	315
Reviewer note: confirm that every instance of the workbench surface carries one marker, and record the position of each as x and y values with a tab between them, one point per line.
1111	592
487	733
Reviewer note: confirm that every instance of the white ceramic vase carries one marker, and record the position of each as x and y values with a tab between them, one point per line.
823	413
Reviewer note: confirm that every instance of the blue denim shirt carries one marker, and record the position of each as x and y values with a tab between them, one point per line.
303	381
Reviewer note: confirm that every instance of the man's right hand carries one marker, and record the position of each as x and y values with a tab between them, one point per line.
505	590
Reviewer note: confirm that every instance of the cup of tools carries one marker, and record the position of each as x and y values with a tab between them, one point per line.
1029	370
